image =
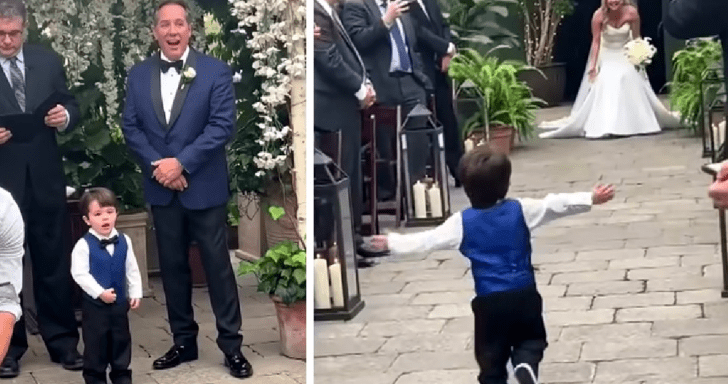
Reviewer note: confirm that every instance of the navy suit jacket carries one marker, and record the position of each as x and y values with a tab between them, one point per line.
202	122
38	159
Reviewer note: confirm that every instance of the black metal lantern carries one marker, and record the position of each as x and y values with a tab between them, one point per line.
716	115
337	295
427	199
711	86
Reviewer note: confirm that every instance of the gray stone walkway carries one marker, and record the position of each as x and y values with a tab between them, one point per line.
631	290
151	339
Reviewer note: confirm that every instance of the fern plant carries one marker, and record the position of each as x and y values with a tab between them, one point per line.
504	99
696	73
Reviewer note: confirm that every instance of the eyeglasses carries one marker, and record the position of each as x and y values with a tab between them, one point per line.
12	34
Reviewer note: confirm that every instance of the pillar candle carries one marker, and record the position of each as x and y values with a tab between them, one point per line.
469	145
420	200
337	288
322	298
435	201
333	251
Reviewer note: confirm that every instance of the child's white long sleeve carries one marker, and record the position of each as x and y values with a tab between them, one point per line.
448	235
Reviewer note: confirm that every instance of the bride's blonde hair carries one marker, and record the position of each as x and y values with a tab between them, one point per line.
605	10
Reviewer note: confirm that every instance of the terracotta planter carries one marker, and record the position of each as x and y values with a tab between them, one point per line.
292	327
502	138
135	226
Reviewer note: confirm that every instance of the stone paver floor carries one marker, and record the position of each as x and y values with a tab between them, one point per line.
151	338
631	290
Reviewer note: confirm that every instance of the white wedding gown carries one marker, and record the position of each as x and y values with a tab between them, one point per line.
620	102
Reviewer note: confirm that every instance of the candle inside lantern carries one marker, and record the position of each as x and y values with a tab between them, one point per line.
333	251
469	145
322	299
435	201
337	287
420	200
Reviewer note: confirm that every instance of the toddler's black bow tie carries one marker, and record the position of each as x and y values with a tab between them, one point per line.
166	65
112	240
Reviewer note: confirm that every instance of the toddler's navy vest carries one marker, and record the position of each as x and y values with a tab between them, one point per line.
108	270
498	243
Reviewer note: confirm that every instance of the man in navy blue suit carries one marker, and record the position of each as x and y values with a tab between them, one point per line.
179	114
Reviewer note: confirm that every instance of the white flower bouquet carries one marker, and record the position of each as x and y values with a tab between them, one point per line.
640	52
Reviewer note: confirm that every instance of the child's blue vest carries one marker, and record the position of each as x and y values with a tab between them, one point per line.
108	270
498	243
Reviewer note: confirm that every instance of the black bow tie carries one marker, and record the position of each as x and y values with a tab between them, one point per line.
166	65
112	240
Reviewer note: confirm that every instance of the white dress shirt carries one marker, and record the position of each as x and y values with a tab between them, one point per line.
5	63
449	234
12	237
81	271
170	84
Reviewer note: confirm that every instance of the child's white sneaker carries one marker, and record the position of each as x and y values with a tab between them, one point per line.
524	374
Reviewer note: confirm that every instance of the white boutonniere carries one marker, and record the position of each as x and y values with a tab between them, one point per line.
188	74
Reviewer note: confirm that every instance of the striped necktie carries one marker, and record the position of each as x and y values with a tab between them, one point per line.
18	84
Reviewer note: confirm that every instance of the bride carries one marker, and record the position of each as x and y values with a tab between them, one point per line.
614	99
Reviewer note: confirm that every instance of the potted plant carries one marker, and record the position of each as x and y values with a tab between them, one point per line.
505	104
695	84
541	19
281	273
477	23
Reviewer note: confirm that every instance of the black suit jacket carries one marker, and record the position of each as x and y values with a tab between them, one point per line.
38	159
363	22
433	36
338	74
686	19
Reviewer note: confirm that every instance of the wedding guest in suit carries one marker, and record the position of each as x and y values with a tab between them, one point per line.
179	114
341	90
437	49
31	170
12	236
387	41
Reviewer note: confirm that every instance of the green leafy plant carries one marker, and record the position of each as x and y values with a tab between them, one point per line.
281	271
541	19
696	72
476	23
504	100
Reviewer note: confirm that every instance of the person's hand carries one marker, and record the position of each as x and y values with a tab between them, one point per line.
316	31
108	296
5	135
178	184
379	242
602	193
56	117
445	63
167	170
370	98
722	174
395	8
593	74
134	303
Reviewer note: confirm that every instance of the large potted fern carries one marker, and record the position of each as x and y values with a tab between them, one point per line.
281	273
506	106
695	84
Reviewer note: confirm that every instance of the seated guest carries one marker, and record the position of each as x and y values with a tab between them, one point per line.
12	236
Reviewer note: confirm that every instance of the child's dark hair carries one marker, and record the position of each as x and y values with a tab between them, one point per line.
103	196
485	175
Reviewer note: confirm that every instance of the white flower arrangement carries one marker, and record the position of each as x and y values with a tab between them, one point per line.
640	52
278	26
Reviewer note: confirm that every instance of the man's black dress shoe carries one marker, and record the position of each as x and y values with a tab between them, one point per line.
175	356
72	361
9	368
239	366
